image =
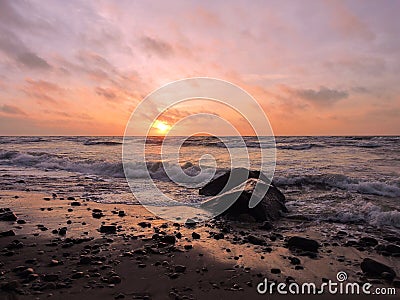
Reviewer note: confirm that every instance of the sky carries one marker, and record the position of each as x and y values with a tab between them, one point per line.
315	67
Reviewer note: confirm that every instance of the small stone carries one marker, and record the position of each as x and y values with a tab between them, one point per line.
306	244
275	271
195	235
115	279
121	213
169	239
75	203
180	269
50	277
71	198
294	261
108	229
219	236
7	233
144	224
77	275
21	221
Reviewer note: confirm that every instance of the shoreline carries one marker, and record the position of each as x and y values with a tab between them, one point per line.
224	262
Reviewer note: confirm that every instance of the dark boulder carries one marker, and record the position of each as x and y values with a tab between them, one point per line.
376	269
236	202
6	214
7	233
301	243
232	179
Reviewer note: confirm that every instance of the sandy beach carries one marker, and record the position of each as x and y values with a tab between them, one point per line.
59	252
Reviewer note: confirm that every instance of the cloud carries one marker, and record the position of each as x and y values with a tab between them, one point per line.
156	46
42	90
106	93
12	110
321	97
15	49
347	23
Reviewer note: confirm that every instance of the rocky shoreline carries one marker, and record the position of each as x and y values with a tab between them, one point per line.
71	249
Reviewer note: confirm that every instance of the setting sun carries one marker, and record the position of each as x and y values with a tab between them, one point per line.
162	127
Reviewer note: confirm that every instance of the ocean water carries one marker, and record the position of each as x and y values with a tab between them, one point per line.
335	179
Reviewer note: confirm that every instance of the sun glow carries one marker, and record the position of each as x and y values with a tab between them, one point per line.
162	127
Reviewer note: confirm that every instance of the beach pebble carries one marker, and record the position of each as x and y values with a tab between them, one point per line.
219	236
71	198
77	275
375	268
121	213
144	224
97	214
7	233
7	215
169	239
50	277
294	261
108	229
266	225
180	269
195	236
75	203
114	279
21	221
368	241
255	240
302	243
275	271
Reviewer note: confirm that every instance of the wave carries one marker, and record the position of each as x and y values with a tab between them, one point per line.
368	212
387	189
106	143
299	146
156	169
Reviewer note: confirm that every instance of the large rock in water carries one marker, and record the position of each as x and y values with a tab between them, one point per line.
235	202
232	179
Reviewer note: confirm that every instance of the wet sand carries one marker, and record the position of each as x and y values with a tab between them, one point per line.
58	252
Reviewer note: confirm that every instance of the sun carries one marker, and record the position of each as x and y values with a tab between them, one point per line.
162	127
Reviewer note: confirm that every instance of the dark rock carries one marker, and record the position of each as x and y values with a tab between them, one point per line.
195	236
114	279
368	241
219	236
294	261
97	215
121	213
275	271
255	240
392	248
7	215
144	224
21	221
77	275
71	198
301	243
180	269
108	229
266	226
374	268
50	277
236	202
188	246
169	239
75	203
7	233
230	180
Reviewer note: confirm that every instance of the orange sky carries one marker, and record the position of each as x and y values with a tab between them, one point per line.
315	67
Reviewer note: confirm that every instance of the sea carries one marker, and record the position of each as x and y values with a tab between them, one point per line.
342	179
